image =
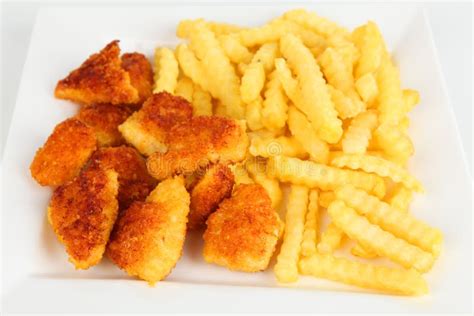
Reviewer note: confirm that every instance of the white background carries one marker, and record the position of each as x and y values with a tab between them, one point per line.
451	23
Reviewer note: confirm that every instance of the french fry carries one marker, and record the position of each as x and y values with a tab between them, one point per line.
202	102
363	252
272	186
330	239
380	166
391	280
315	100
253	114
236	52
399	223
166	70
308	245
185	27
266	55
345	106
252	82
326	198
241	175
384	243
390	101
395	143
335	70
358	134
191	66
303	132
274	112
366	87
400	198
315	23
267	147
411	99
326	178
185	88
286	267
371	46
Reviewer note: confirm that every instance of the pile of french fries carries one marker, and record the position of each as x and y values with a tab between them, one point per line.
326	114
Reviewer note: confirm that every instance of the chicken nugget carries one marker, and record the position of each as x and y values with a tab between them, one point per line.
105	119
141	74
197	143
148	239
100	79
146	129
209	190
242	234
134	181
82	213
65	152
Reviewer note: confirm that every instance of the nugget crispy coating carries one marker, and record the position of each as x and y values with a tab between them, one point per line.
148	238
214	186
134	181
82	213
195	144
146	129
242	234
105	119
100	79
64	153
141	74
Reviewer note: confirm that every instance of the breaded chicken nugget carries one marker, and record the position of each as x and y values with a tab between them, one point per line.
105	119
64	153
82	213
195	144
134	181
141	74
146	129
148	238
242	234
214	186
100	79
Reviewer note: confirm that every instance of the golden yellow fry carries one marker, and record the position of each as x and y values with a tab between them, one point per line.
321	176
350	55
315	23
283	145
394	143
315	100
358	134
185	88
335	70
272	186
366	87
345	106
397	222
191	66
411	98
288	82
241	175
303	132
252	82
266	55
390	280
380	166
286	268
390	101
400	198
274	112
308	245
363	252
236	52
404	124
357	227
225	83
185	27
202	102
166	70
253	114
371	46
326	198
331	239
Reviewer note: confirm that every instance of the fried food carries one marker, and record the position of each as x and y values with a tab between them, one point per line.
82	213
148	238
134	181
141	74
243	232
146	129
100	79
104	119
64	153
214	186
198	142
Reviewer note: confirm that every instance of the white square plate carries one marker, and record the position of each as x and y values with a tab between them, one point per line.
37	276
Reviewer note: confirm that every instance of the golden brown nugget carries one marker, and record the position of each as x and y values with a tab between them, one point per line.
148	238
105	119
100	79
214	186
134	181
141	74
147	128
197	143
82	213
65	152
242	234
